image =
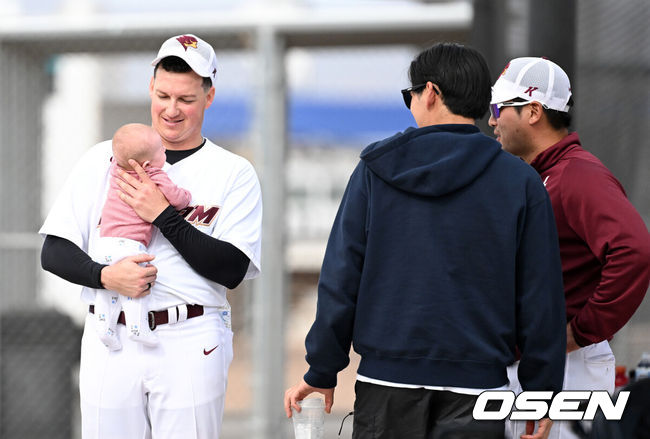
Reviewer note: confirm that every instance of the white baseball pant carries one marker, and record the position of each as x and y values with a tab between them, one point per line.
174	390
589	368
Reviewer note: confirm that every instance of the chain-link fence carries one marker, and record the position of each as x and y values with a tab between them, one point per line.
613	118
77	96
39	354
339	99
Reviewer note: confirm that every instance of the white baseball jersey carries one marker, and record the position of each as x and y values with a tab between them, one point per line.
226	204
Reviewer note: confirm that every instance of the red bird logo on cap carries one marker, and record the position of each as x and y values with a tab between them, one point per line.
504	69
187	41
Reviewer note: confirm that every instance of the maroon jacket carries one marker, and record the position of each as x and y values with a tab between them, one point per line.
604	243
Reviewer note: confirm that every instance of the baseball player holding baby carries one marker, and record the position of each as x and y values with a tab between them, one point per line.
176	387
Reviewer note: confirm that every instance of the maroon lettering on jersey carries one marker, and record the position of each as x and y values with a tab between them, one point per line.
530	91
186	211
200	216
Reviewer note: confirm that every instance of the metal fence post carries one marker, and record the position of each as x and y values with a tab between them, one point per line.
269	291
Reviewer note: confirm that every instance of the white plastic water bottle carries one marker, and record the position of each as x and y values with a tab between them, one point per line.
309	422
643	368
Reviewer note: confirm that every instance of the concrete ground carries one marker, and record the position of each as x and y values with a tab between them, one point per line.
237	420
238	427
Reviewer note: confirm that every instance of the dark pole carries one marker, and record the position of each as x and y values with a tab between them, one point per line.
552	33
488	37
488	33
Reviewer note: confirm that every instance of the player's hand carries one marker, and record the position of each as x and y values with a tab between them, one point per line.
129	278
543	429
300	391
142	195
571	344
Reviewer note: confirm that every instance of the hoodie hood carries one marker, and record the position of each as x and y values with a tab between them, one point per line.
432	161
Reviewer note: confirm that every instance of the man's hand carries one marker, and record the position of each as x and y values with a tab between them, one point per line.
300	391
543	429
142	195
571	344
129	278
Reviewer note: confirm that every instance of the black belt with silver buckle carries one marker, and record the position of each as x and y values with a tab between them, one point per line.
159	317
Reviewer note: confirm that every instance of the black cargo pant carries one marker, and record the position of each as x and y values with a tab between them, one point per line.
382	412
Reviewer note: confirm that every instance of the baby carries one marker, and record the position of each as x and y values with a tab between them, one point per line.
123	233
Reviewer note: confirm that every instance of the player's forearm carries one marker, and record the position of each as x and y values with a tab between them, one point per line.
64	259
212	258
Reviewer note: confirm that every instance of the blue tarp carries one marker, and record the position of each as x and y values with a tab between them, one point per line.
315	122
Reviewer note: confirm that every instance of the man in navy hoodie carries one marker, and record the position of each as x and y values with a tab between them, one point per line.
441	267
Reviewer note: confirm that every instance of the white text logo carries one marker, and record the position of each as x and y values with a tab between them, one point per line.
565	406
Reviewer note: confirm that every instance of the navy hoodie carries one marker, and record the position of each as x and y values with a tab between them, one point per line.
443	258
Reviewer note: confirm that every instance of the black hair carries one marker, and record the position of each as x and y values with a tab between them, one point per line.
557	119
560	119
175	64
461	74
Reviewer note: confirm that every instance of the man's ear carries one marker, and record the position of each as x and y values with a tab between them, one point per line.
433	93
536	112
209	97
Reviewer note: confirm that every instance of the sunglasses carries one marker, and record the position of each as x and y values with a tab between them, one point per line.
495	109
406	93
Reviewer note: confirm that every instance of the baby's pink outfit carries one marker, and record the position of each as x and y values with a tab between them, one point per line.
124	234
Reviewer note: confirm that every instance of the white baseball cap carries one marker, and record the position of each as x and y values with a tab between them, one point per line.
533	79
198	54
